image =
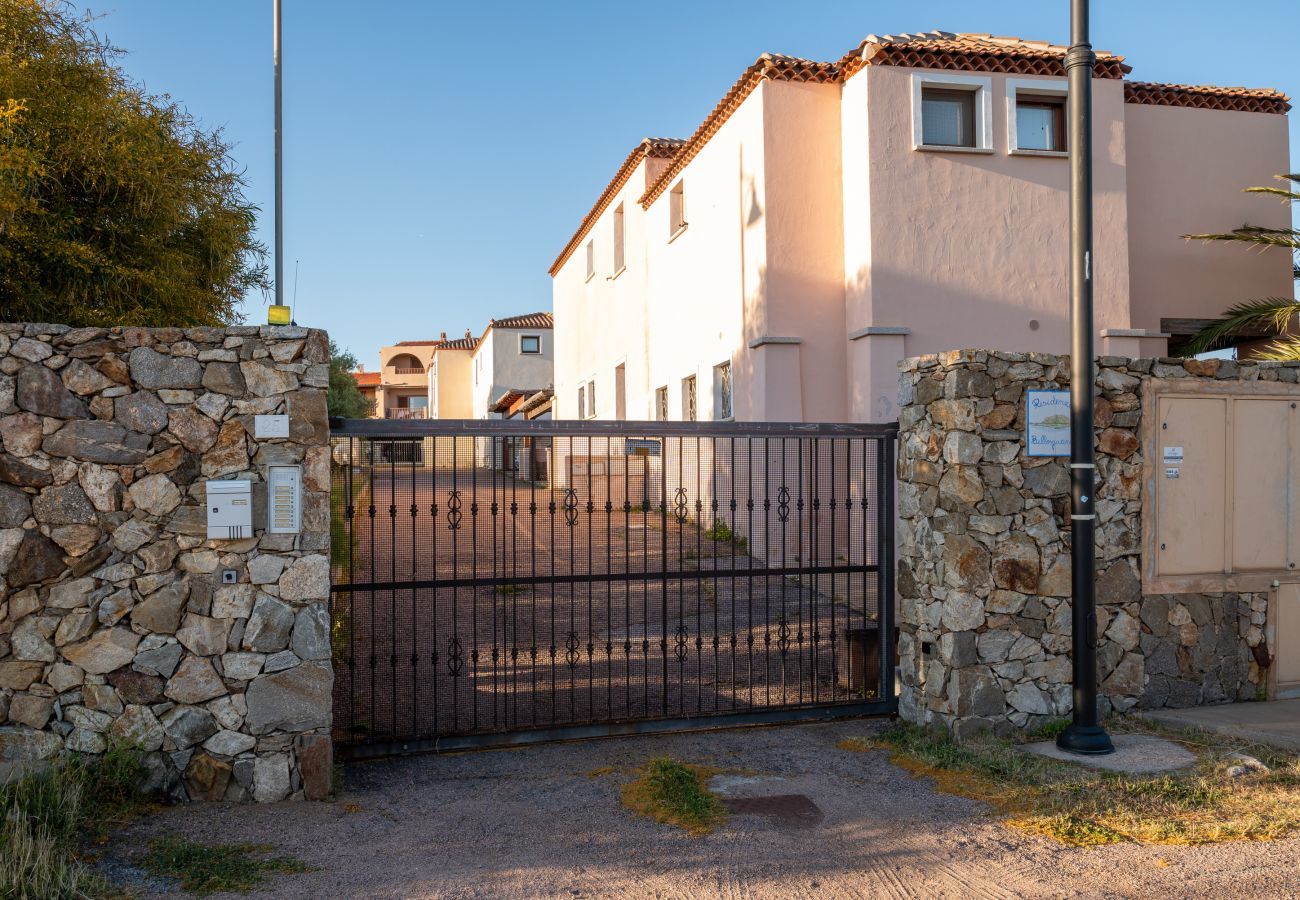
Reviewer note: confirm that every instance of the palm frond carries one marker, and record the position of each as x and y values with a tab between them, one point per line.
1285	194
1288	194
1270	314
1255	234
1285	349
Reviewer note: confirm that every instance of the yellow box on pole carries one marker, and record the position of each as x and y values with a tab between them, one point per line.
277	315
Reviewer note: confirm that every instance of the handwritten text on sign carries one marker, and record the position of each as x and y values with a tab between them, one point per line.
1047	423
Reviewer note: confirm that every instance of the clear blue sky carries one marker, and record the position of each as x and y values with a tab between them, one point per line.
439	155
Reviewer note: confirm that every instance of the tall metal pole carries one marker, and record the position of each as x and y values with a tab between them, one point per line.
279	166
1084	734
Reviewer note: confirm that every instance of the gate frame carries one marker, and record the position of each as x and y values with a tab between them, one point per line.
885	437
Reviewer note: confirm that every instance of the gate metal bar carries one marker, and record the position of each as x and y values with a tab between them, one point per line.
765	597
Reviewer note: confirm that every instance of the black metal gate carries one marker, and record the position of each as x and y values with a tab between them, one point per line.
499	581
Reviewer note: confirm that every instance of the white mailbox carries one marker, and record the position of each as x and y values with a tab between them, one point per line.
284	500
230	510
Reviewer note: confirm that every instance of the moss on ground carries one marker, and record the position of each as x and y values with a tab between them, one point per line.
204	869
675	793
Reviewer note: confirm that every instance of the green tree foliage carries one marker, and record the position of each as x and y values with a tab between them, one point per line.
116	207
344	398
1268	315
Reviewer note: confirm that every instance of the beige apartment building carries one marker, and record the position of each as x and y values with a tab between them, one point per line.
402	391
828	219
450	377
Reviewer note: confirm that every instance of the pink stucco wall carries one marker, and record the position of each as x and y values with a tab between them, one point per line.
822	247
1187	169
969	249
803	281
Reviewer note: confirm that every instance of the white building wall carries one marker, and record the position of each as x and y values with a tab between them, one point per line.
499	366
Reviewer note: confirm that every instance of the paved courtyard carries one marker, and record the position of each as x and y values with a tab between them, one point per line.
545	821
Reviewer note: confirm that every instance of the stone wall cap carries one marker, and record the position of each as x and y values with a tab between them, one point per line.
873	330
773	339
1134	332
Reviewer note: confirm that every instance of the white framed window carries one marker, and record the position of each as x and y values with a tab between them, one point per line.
676	210
722	408
530	343
1036	116
688	399
952	112
582	403
591	399
591	259
661	404
619	249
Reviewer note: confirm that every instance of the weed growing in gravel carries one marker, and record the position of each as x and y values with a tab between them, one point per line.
675	793
1086	807
44	817
204	869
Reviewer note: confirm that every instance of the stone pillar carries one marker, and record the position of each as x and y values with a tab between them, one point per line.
984	570
117	624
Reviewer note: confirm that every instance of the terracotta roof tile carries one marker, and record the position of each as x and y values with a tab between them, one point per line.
1235	99
528	320
366	379
941	50
465	343
417	343
972	53
768	66
649	148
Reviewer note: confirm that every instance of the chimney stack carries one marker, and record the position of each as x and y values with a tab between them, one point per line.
443	337
467	334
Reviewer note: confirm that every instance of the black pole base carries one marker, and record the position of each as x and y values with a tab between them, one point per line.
1086	740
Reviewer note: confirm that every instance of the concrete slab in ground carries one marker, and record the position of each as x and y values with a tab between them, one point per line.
1136	754
1276	722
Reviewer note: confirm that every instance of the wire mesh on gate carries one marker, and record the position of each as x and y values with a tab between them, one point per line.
501	577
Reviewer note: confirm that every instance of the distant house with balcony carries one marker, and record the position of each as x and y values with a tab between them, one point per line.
403	391
828	219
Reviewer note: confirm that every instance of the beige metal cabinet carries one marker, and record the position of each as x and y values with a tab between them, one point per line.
1190	495
1286	641
1222	471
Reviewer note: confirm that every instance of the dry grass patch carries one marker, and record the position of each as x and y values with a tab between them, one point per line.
46	818
1087	807
856	744
675	793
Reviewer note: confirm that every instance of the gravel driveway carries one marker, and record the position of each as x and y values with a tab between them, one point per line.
545	821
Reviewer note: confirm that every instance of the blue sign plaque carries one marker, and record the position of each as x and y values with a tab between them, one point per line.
1047	423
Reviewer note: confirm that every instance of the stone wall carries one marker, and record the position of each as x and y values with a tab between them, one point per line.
115	625
984	562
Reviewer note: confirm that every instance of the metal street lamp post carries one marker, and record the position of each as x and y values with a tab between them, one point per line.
279	165
1084	734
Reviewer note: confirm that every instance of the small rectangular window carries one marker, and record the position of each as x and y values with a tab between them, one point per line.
591	399
722	384
591	259
618	239
1040	123
661	404
688	399
676	209
947	117
530	343
582	403
620	392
